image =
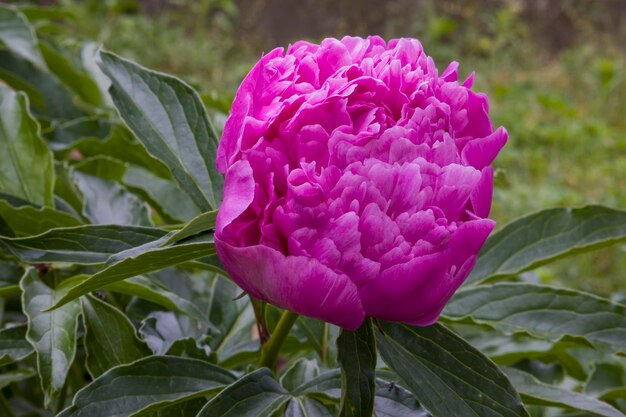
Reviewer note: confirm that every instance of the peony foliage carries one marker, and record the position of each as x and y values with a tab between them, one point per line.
327	252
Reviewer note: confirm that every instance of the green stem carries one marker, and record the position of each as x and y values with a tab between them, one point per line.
269	351
5	407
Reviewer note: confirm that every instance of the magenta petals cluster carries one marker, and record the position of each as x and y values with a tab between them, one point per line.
358	181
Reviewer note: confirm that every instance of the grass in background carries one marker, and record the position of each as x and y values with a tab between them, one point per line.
564	107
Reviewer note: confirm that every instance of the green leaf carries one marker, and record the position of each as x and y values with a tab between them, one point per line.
74	78
34	13
392	400
542	311
26	164
119	144
543	237
147	385
447	375
110	339
254	395
202	223
88	55
10	272
168	117
13	345
357	358
107	202
147	289
185	409
29	220
65	187
65	134
321	336
169	200
329	382
535	392
147	258
300	372
233	317
17	375
225	309
48	97
85	245
308	407
509	350
17	34
102	166
168	333
607	381
52	334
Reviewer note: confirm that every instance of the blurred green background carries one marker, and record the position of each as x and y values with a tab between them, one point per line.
554	71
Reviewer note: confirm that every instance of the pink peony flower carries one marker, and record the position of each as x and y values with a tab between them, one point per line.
358	181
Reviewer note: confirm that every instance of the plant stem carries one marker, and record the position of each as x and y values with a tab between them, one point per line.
261	325
5	407
269	351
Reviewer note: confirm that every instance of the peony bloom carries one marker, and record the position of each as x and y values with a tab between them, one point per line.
358	181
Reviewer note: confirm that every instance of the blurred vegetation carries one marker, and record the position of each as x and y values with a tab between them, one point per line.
554	70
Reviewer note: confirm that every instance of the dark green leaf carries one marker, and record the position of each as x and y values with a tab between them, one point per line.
147	385
542	311
17	34
17	375
13	344
147	289
65	134
74	77
65	187
321	336
168	117
543	237
607	380
235	320
119	144
170	201
6	292
47	96
52	334
357	358
86	245
202	223
103	167
162	329
107	202
186	409
26	164
300	372
230	315
447	375
29	220
10	272
255	395
392	400
147	258
535	392
34	13
306	407
110	339
509	350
